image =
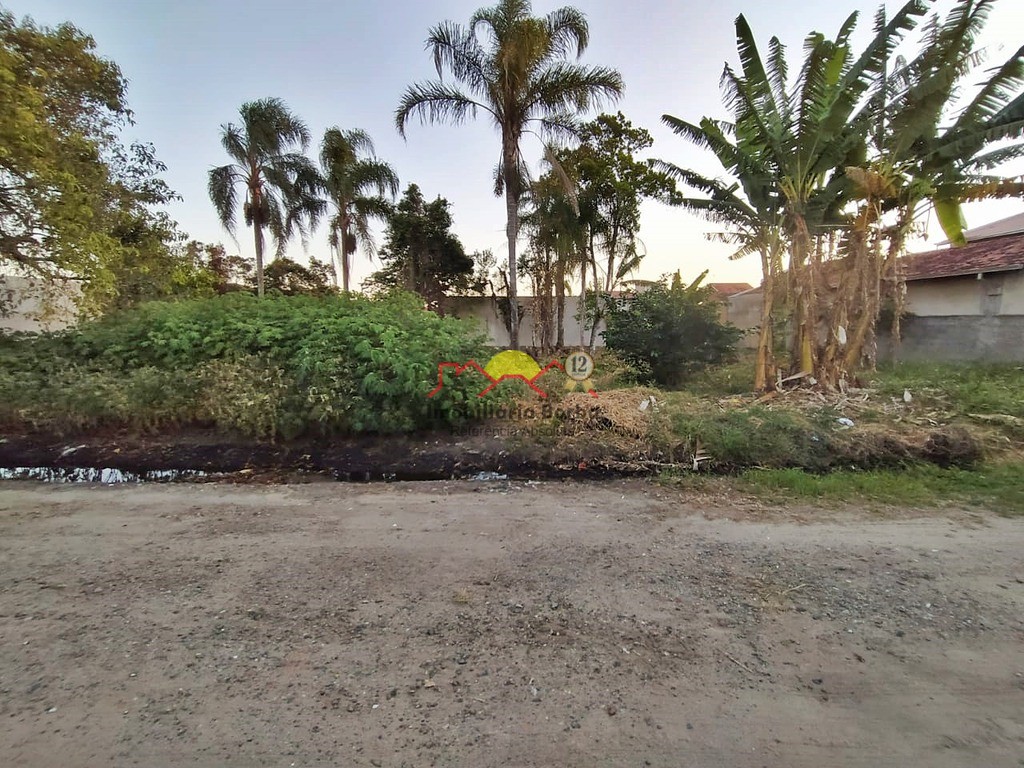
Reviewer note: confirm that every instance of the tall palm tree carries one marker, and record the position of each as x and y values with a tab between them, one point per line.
357	188
520	75
279	183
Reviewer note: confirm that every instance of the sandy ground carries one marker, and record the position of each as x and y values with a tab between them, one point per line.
500	624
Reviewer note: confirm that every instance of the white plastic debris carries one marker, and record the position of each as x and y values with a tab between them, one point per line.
841	334
907	397
844	422
648	402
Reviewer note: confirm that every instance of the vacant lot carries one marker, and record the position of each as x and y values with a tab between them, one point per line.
500	624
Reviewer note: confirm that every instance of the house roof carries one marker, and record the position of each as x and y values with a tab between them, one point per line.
992	254
1012	225
729	289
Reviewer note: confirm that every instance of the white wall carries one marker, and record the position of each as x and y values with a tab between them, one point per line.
485	310
33	305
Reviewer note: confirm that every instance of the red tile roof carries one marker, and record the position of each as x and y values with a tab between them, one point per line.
997	254
728	289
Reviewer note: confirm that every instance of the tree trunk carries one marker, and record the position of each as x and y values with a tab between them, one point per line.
805	305
258	231
256	203
512	232
582	305
334	264
559	301
597	298
764	374
344	254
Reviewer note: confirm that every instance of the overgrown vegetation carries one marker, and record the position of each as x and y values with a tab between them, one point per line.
276	367
964	389
830	163
669	332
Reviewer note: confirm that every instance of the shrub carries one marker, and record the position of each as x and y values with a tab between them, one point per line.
669	332
280	366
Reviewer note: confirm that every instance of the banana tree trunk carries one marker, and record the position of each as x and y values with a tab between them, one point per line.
764	373
805	305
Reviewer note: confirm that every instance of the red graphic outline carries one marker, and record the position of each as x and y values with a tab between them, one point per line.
460	369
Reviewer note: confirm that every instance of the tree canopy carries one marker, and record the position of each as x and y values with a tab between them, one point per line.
420	253
74	202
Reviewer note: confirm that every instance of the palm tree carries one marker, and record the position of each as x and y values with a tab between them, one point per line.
279	183
357	188
521	76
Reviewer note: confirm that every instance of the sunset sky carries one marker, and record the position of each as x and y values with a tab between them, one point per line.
191	64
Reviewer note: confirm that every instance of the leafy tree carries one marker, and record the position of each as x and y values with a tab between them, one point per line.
612	183
228	273
279	183
290	278
670	331
357	188
420	252
557	237
74	202
521	77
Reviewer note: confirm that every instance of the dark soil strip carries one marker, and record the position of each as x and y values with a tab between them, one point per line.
430	456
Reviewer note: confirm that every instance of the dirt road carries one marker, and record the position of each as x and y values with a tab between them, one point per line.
497	624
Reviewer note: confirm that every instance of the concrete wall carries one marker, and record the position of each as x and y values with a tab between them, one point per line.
32	305
963	319
744	311
958	339
485	310
952	319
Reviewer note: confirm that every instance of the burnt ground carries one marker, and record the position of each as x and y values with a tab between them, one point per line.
501	624
424	456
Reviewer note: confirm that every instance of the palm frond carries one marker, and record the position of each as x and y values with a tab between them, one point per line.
566	87
455	49
234	143
568	30
224	195
434	101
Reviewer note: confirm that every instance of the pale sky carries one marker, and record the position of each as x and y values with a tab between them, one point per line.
192	63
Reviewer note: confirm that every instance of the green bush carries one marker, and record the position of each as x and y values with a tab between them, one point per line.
756	436
280	366
668	333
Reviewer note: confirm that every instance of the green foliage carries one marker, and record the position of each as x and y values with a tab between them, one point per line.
73	199
670	332
999	485
280	366
752	437
248	395
290	278
612	184
962	388
358	187
421	253
735	377
516	68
